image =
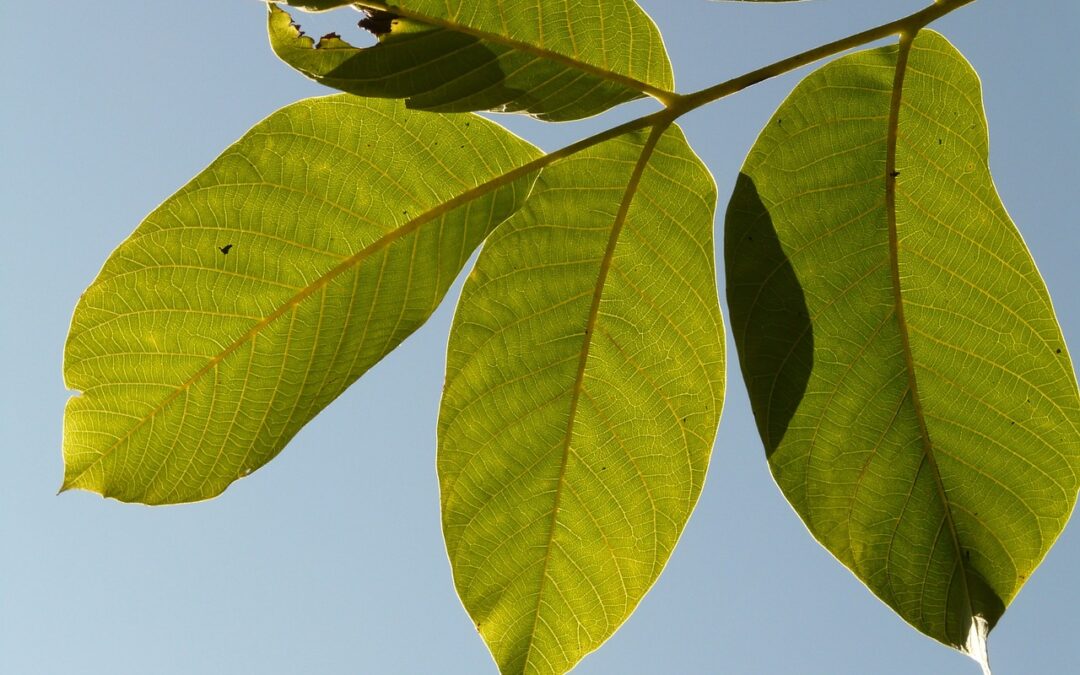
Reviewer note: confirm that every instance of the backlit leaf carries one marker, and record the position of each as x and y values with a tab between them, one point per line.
256	294
318	5
906	369
557	61
585	378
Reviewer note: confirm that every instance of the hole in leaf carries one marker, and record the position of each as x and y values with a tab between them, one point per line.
378	22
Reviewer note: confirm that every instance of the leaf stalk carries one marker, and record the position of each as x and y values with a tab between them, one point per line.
681	104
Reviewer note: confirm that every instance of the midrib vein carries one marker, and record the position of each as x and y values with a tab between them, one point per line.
663	95
575	396
891	175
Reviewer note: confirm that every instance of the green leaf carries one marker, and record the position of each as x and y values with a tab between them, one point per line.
256	294
585	378
503	56
909	378
318	5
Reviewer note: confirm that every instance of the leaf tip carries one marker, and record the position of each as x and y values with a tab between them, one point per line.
69	483
975	646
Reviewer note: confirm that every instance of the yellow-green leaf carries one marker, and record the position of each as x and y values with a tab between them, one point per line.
585	378
318	5
557	61
256	294
906	369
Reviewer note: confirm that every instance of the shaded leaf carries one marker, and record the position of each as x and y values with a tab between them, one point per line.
908	375
256	294
557	62
585	377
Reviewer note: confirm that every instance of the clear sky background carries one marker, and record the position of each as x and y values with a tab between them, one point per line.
330	559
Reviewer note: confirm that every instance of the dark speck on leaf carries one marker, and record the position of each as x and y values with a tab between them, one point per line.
378	22
1058	351
780	122
225	249
939	141
894	174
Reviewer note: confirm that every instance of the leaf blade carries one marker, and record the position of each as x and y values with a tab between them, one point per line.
294	251
552	394
855	191
488	56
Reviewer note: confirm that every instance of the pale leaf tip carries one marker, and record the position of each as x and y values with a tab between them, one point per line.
975	646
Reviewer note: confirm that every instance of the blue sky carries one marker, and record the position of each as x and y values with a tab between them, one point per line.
330	559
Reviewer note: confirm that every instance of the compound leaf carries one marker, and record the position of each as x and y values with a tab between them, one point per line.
256	294
585	378
908	375
557	61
